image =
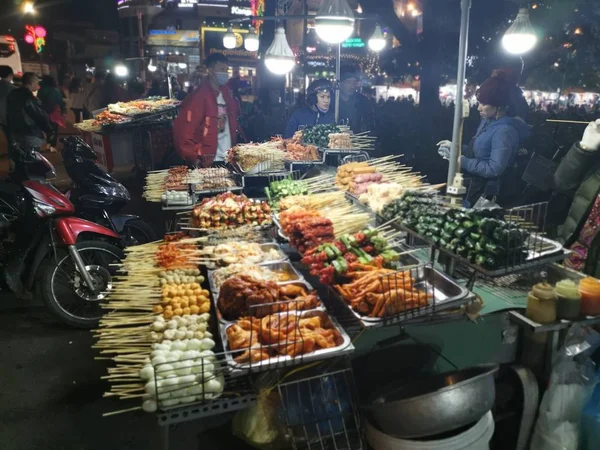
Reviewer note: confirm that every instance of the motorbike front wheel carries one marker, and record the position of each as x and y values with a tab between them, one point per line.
65	293
138	232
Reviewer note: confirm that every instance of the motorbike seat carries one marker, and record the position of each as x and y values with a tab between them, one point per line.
9	188
95	201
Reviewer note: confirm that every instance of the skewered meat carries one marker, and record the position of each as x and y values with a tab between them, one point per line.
244	335
240	295
244	295
283	334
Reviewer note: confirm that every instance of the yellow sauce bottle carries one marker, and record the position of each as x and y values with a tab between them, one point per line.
541	303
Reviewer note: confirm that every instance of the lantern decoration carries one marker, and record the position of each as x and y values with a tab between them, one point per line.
258	9
36	36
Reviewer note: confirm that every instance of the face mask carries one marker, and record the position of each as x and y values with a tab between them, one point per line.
221	78
322	110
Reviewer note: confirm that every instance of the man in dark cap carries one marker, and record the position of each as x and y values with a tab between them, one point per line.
355	108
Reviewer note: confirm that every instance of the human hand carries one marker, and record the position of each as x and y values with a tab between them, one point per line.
591	137
444	149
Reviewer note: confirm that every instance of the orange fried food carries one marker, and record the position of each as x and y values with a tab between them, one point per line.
292	290
282	334
276	328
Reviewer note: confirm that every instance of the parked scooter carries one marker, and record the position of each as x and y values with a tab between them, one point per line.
99	197
44	248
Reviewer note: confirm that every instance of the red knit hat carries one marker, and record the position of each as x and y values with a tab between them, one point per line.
495	91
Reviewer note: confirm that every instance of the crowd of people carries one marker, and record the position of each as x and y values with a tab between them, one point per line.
500	135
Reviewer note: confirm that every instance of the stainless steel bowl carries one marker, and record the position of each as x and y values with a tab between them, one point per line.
434	405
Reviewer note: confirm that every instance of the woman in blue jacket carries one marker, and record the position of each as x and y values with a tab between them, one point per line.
319	108
495	144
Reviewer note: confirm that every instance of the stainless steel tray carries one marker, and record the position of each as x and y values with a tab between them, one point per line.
446	291
285	266
265	247
274	246
304	283
273	266
285	361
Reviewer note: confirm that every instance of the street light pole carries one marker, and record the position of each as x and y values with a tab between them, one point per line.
465	6
338	77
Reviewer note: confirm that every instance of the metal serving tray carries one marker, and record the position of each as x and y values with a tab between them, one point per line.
306	284
273	266
265	247
447	294
284	360
268	247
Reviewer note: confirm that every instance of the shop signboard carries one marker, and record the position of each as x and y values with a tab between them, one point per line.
240	8
170	37
353	42
212	42
213	2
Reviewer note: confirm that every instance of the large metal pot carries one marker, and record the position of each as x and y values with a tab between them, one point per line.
434	405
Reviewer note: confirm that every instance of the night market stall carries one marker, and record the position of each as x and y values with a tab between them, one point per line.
350	304
298	304
136	132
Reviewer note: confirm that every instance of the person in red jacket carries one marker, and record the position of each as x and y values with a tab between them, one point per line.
207	124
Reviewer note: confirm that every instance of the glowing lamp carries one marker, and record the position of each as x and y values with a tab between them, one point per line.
334	22
121	71
229	39
520	37
377	41
251	42
279	58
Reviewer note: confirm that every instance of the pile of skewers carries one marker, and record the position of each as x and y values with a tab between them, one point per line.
336	259
161	181
267	156
319	201
307	228
228	210
356	177
380	293
155	330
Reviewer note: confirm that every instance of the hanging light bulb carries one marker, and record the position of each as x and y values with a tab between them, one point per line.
121	70
229	39
279	58
377	41
251	41
520	37
151	66
334	22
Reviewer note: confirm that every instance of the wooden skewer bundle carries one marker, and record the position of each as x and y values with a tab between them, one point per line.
123	335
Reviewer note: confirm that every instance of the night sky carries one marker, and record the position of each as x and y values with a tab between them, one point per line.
103	13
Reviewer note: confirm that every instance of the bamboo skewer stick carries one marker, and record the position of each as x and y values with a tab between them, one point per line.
568	121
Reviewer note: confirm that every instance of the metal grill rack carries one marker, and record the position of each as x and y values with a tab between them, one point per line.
270	163
213	180
272	336
409	295
525	246
320	412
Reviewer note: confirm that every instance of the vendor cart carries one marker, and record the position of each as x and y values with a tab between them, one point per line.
473	315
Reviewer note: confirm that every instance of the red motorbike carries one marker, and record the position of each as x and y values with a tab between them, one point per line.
44	249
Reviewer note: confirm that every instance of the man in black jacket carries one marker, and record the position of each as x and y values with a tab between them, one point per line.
26	120
355	108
